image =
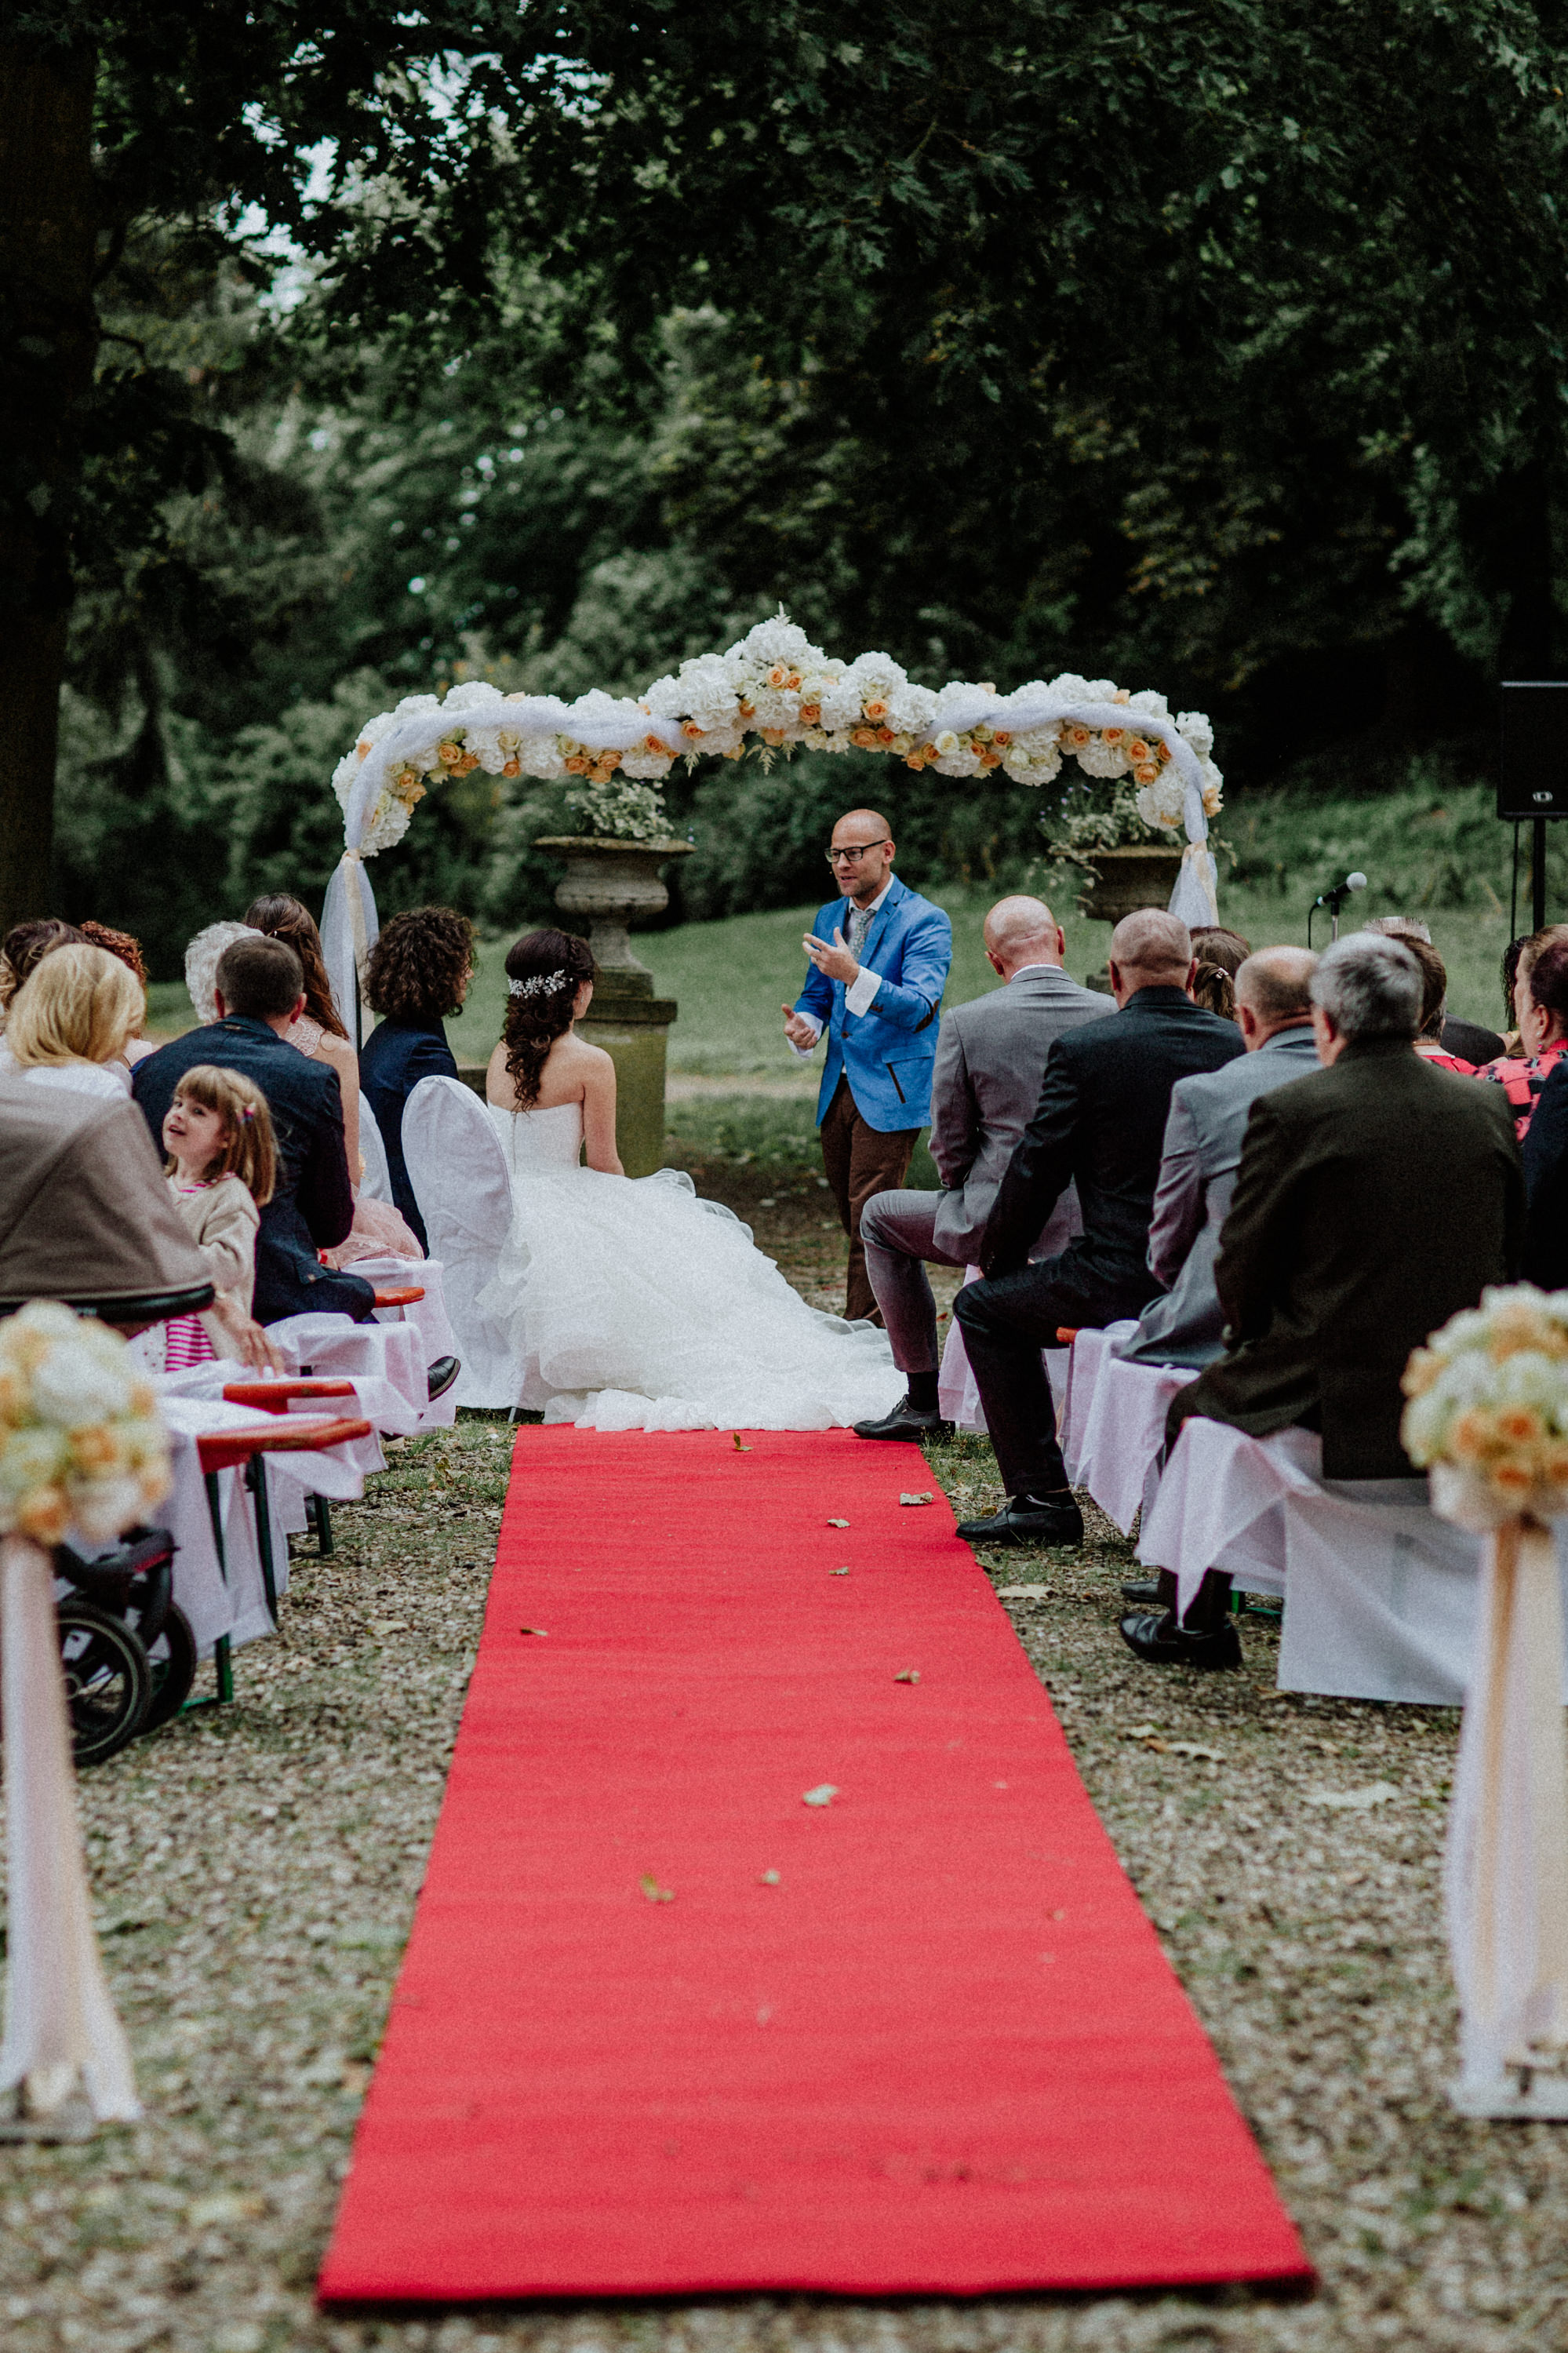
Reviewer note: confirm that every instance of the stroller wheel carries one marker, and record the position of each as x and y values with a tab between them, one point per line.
173	1661
108	1680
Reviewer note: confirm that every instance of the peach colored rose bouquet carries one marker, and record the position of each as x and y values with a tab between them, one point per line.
1488	1409
81	1446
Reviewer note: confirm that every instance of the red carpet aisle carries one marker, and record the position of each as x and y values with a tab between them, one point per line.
665	2026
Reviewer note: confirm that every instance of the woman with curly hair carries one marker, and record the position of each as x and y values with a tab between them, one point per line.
418	975
378	1231
631	1303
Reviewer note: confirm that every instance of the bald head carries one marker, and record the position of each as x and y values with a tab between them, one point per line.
1022	931
862	852
1273	991
1150	949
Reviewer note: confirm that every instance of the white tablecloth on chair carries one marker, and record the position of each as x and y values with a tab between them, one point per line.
385	1363
1119	1424
1381	1595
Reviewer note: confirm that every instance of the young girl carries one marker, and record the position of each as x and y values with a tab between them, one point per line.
221	1167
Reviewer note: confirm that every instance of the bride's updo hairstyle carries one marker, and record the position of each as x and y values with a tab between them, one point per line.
544	970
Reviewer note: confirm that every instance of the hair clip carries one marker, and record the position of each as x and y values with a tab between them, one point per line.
540	985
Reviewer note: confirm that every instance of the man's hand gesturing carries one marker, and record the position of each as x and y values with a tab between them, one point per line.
801	1032
835	963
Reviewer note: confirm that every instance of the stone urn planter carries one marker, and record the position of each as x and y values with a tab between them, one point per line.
1122	881
607	884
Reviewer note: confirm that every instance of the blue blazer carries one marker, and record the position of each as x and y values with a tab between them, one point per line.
888	1053
312	1205
392	1062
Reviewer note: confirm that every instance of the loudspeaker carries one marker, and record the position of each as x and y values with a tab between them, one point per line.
1532	780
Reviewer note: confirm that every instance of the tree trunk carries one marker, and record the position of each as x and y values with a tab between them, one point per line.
47	339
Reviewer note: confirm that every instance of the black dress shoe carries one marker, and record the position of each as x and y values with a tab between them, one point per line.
1159	1639
1143	1592
1023	1521
442	1374
906	1421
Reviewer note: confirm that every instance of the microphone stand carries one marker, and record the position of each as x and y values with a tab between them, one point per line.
1335	899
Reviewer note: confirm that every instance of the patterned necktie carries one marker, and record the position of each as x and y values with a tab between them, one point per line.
859	924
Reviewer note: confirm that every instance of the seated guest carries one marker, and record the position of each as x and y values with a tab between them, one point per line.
259	991
1218	954
1466	1041
1541	1002
1202	1150
24	947
70	1019
1101	1122
1434	1011
1545	1154
1375	1200
128	951
419	973
990	1061
378	1230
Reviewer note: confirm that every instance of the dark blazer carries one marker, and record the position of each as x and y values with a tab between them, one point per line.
1101	1123
1546	1186
312	1207
1375	1200
392	1062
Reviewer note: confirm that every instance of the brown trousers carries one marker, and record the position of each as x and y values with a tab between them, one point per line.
858	1161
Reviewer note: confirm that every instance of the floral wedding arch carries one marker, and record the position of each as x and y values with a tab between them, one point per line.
773	690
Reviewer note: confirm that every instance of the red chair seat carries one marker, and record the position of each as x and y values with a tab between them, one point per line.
225	1450
405	1298
274	1396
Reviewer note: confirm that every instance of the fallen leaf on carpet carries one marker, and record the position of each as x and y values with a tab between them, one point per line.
839	1523
739	1448
839	1572
1376	1793
822	1795
532	1629
654	1892
767	1879
1022	1593
914	1499
908	1675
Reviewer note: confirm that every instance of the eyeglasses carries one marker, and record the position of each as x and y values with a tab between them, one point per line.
852	855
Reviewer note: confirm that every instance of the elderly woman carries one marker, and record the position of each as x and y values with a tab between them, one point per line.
419	973
70	1022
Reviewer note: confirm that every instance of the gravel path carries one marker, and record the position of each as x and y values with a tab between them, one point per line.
253	1872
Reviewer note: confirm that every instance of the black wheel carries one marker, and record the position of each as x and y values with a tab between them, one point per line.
108	1680
173	1660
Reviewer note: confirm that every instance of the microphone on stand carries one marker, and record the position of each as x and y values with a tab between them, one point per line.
1334	899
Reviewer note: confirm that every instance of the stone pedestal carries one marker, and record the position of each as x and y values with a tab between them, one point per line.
609	882
1122	881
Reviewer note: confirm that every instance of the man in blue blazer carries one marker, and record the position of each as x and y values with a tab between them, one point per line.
879	958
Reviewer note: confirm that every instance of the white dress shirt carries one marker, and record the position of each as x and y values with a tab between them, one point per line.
860	995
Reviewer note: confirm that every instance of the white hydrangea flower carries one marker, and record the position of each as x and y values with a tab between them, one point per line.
1149	704
1099	758
1194	728
777	640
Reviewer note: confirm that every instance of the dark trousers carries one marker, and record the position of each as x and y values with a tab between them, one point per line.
1007	1321
857	1161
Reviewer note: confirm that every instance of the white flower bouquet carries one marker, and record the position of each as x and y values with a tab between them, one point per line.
81	1446
1488	1409
778	689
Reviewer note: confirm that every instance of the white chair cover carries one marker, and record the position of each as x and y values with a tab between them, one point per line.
385	1362
1118	1425
958	1392
376	1182
458	1173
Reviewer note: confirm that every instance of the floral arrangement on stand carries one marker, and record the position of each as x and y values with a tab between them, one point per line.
1487	1411
772	692
81	1446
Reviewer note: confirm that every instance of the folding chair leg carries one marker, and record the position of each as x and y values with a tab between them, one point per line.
321	1512
222	1660
224	1665
255	1480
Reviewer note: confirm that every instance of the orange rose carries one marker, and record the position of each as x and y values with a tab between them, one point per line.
772	735
876	709
915	762
778	675
810	713
576	766
735	751
1146	773
792	681
1114	734
1520	1426
511	768
1078	736
1001	736
1123	694
884	734
1471	1436
690	727
747	710
43	1517
362	751
1512	1481
653	743
1136	748
989	759
865	737
927	752
450	754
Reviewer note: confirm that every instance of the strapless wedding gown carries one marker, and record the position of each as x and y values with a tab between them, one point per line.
634	1304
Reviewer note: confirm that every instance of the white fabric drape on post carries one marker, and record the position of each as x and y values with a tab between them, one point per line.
62	2034
1506	1868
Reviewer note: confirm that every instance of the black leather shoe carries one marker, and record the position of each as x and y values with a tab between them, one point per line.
442	1374
1020	1523
1158	1638
1143	1592
906	1421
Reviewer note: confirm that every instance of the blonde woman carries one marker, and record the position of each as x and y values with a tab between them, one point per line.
72	1019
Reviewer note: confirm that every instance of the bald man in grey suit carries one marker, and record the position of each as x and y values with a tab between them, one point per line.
990	1061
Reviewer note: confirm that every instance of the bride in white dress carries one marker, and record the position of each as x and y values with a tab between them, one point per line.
630	1303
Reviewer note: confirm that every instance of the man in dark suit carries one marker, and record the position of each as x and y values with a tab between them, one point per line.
1101	1123
419	973
1375	1198
260	990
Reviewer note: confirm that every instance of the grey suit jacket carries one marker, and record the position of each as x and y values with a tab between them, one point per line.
990	1062
1203	1136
